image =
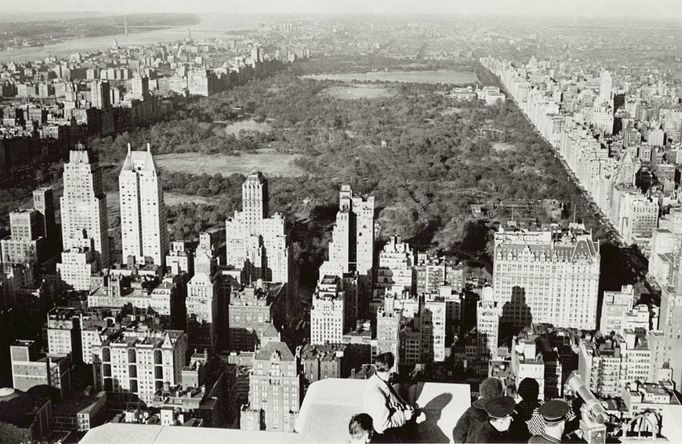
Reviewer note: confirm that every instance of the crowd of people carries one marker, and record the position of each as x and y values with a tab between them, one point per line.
494	417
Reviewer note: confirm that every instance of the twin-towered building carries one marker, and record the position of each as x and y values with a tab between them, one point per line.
144	236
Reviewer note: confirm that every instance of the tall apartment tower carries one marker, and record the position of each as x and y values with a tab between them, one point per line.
43	203
255	243
487	327
202	298
396	273
327	312
547	277
84	205
352	245
143	214
605	85
389	319
254	200
100	94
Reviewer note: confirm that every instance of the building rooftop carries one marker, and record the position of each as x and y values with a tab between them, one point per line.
19	408
77	402
271	347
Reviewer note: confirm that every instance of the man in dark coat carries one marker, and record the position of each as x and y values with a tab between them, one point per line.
496	428
475	415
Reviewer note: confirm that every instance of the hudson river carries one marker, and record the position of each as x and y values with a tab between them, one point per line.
215	25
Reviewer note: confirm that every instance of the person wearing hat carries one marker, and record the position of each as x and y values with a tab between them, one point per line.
554	416
528	390
475	415
496	429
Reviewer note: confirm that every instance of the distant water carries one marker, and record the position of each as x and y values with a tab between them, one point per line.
436	76
214	25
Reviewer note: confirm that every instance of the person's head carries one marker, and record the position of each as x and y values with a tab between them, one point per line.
529	389
554	416
500	411
383	364
361	428
490	388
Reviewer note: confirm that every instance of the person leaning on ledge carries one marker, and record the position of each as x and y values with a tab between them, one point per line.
394	419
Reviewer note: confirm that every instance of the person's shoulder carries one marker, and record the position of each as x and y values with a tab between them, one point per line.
536	439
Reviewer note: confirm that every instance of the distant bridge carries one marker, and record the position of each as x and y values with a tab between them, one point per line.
125	27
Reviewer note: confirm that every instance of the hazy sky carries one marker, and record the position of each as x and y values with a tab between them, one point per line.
600	8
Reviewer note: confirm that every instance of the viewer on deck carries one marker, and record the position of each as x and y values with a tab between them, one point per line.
496	428
475	415
529	390
392	416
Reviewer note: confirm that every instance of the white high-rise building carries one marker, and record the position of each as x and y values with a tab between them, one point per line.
84	205
327	312
143	214
254	242
547	277
352	245
396	267
605	85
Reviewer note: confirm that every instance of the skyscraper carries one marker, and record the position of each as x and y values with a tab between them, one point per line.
389	319
43	203
203	298
605	86
256	243
487	327
100	95
84	205
396	267
352	244
143	214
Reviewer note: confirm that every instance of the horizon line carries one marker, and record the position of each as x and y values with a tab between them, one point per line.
520	14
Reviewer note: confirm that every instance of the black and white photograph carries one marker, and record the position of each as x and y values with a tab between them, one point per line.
340	221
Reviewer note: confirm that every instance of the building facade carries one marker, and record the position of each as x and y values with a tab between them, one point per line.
84	206
144	235
547	276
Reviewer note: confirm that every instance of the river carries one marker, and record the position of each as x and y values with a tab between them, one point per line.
214	25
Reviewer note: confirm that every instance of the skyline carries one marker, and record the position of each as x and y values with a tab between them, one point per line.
664	9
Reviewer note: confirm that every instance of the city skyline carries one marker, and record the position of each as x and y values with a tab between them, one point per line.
663	9
326	227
